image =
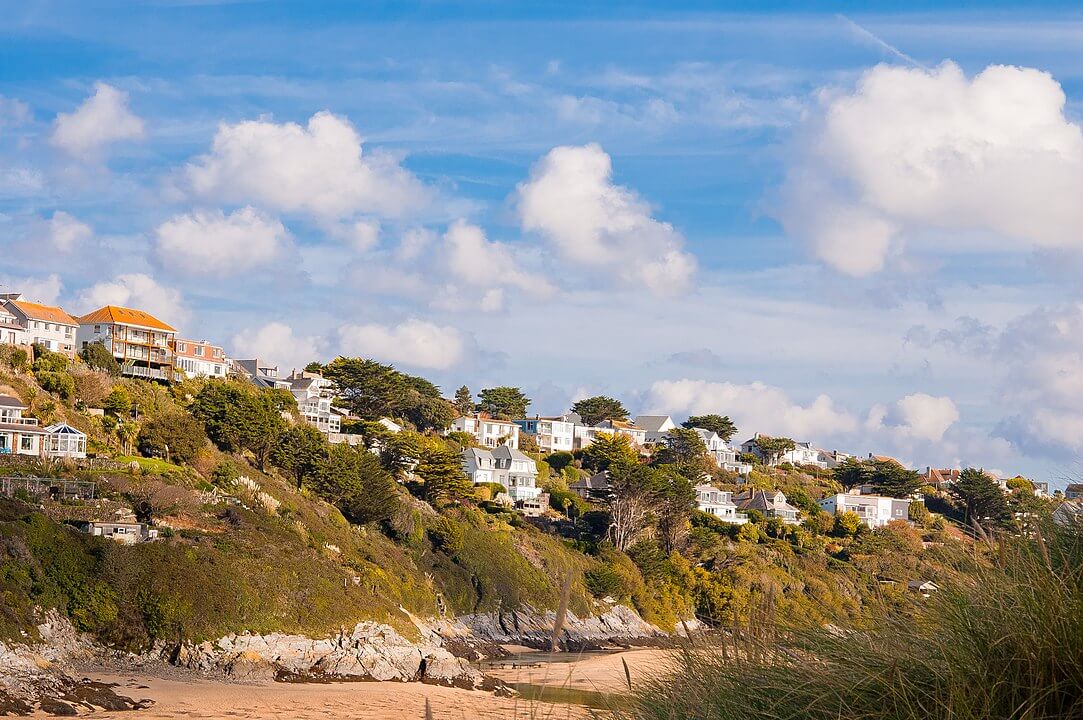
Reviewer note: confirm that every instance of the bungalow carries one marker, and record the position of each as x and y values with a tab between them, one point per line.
38	324
141	343
925	587
594	487
489	432
771	503
1074	491
553	434
655	427
198	358
18	435
125	533
874	510
718	503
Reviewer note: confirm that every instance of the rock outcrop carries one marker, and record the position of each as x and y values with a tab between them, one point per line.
619	625
369	652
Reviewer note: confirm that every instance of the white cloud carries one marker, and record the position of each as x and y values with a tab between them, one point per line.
318	170
210	242
41	290
473	259
918	416
571	200
137	291
102	119
362	235
912	152
277	343
415	342
754	407
65	233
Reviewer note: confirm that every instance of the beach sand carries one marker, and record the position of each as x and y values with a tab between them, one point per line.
197	699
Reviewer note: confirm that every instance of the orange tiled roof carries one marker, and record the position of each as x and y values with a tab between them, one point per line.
47	313
124	316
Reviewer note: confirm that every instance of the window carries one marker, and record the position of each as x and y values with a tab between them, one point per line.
26	442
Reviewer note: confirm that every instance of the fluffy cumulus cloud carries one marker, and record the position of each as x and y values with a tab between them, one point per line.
416	343
931	153
103	119
211	242
754	407
918	416
35	289
65	233
140	291
476	261
571	201
318	169
277	343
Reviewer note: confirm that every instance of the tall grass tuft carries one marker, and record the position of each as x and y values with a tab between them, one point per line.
1002	640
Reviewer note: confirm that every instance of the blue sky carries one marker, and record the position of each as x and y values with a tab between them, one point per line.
849	226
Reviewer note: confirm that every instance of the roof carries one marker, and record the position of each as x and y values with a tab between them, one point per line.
624	425
885	458
22	429
11	402
47	313
652	423
63	429
597	481
124	316
509	453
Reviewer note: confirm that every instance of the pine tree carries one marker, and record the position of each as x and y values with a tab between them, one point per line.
464	400
442	472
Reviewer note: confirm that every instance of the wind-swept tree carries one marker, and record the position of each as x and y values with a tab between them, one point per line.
633	495
442	472
608	449
774	447
981	498
508	403
685	451
594	410
720	424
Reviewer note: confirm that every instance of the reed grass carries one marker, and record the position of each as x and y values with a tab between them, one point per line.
1002	639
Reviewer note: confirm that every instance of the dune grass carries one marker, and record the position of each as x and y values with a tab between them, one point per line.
1001	640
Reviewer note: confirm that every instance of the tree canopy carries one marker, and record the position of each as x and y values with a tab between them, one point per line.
441	470
981	498
239	416
720	424
774	447
372	390
96	356
607	450
464	400
594	410
685	450
300	452
505	403
354	481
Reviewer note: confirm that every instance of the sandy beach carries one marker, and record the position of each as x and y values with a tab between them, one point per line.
195	699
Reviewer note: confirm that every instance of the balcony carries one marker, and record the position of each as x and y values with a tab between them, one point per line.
142	371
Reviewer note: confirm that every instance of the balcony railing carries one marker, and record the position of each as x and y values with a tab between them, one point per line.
142	371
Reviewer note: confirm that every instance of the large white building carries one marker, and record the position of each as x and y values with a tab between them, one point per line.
719	503
655	427
723	454
553	434
874	510
488	431
141	343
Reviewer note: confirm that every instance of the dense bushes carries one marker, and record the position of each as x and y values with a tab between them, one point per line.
175	436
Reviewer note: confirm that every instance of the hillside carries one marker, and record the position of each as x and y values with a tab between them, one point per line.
323	538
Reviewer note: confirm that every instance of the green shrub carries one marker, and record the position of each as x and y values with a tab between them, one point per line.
58	383
174	435
447	535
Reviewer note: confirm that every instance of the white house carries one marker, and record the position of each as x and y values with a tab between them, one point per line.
260	374
125	533
27	323
655	427
314	394
723	454
803	453
488	431
719	503
553	434
504	465
516	472
200	359
64	441
18	435
478	464
141	343
874	510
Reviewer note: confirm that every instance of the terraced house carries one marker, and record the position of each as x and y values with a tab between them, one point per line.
141	343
